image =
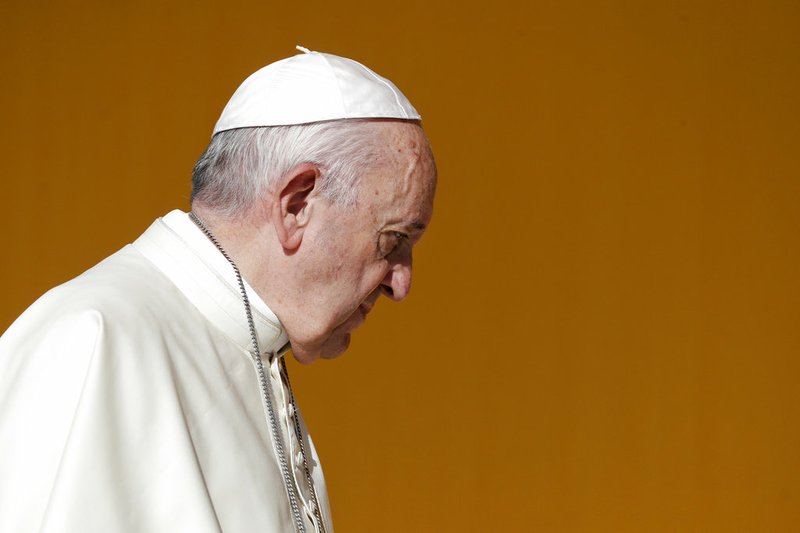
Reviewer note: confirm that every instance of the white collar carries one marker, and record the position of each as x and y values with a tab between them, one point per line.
177	247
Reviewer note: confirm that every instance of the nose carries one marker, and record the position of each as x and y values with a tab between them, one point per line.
397	282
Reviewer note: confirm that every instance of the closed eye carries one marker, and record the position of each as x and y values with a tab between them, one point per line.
390	241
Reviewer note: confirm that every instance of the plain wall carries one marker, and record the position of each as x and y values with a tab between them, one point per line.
603	331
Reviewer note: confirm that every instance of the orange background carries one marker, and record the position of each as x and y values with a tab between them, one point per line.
603	333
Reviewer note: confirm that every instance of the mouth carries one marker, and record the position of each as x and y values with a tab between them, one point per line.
359	316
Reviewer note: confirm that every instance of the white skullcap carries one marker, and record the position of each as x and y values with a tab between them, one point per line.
311	87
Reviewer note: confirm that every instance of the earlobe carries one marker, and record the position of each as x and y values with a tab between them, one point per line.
291	208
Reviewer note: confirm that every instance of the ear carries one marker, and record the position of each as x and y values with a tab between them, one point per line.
291	208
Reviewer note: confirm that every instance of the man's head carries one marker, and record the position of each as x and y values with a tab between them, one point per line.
320	217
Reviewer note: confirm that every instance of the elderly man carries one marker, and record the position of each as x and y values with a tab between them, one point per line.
150	394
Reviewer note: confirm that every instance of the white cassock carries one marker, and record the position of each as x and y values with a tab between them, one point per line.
129	401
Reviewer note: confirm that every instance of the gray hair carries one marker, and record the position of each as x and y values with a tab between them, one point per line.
240	165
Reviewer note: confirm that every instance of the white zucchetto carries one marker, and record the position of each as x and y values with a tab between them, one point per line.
312	87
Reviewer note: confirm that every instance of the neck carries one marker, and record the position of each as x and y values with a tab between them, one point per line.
252	244
247	241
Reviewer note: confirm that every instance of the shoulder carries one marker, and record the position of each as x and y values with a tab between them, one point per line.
122	286
124	292
123	313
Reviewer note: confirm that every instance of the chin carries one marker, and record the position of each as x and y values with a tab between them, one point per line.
331	348
333	353
335	346
304	358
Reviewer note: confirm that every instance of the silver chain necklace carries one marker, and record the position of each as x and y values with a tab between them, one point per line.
273	419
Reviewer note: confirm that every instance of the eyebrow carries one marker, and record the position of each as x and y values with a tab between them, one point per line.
417	226
409	226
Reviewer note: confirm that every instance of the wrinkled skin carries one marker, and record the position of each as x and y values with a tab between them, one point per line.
321	266
365	250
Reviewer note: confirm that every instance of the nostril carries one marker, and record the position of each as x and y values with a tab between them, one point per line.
388	291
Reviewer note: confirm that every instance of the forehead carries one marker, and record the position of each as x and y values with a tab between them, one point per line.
401	186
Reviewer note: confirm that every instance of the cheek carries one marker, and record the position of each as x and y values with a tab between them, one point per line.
374	277
349	263
335	257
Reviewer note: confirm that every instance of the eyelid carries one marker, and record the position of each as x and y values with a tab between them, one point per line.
399	237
